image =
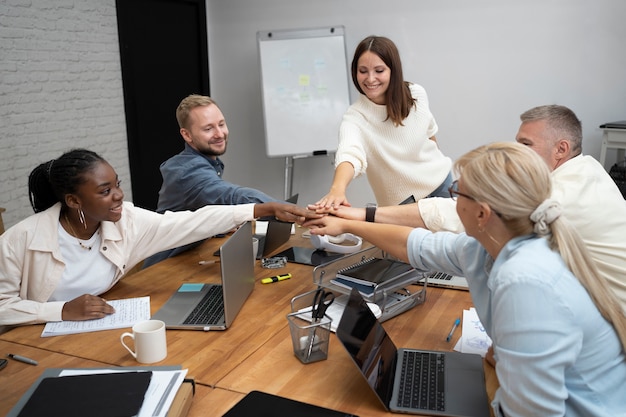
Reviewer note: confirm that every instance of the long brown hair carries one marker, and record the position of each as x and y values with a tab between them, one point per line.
398	96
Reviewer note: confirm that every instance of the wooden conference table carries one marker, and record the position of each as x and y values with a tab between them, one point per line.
254	354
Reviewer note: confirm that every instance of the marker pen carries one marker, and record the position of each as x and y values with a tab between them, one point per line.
23	359
454	326
275	278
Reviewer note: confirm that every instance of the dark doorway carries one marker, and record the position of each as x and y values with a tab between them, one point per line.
164	55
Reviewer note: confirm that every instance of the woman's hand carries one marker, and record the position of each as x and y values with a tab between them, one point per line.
337	195
327	225
331	201
86	307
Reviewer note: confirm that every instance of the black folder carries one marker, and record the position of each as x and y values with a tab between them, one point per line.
261	404
54	373
96	395
614	125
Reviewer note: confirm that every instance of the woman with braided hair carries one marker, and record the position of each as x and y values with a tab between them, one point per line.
558	332
84	237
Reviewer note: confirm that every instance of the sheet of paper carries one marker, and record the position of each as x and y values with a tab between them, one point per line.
160	394
474	338
127	312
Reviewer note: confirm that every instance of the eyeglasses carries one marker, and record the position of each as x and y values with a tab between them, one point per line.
454	192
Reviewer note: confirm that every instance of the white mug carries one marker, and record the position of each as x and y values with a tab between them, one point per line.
255	247
150	343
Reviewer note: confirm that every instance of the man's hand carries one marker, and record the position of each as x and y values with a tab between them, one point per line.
86	307
285	212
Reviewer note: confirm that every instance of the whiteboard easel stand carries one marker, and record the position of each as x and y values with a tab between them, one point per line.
289	170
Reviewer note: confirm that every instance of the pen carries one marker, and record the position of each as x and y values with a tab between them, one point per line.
275	278
454	326
23	359
209	262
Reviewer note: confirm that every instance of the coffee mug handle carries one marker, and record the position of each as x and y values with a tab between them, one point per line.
124	344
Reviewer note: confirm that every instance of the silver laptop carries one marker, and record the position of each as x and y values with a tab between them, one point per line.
276	234
453	384
198	306
443	280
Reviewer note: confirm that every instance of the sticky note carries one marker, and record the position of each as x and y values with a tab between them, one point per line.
189	287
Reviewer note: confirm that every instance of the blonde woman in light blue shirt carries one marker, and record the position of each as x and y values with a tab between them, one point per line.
558	332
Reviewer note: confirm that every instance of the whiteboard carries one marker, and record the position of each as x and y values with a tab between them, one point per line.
304	80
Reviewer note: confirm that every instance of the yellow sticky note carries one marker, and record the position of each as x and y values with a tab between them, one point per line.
304	80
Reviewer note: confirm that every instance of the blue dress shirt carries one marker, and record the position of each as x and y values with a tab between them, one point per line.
192	180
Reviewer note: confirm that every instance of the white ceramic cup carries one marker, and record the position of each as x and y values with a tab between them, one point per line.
255	247
150	343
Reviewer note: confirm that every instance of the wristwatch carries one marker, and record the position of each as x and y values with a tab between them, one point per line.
370	212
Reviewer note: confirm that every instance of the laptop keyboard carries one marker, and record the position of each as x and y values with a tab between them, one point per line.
210	309
422	381
441	275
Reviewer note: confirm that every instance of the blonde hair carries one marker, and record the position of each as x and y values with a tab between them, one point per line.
513	180
189	103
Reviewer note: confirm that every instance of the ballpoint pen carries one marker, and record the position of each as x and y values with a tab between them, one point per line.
454	326
23	359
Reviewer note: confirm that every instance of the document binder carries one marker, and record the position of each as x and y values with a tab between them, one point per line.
97	395
179	408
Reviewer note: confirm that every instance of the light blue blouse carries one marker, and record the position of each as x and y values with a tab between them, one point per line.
556	355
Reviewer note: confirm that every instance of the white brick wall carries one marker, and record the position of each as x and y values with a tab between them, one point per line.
60	88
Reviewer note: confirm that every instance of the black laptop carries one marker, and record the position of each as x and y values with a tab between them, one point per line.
411	381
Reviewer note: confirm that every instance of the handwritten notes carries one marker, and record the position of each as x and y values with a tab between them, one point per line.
127	312
474	338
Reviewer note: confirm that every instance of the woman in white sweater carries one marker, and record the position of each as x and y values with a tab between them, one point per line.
388	133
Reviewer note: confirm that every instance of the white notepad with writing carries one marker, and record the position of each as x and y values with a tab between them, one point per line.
127	312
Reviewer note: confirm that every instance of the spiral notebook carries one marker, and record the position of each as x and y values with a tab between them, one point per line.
370	274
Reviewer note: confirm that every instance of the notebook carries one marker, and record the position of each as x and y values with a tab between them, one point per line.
261	404
367	275
443	280
116	394
460	393
198	306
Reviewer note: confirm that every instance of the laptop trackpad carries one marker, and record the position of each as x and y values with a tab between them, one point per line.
181	303
465	395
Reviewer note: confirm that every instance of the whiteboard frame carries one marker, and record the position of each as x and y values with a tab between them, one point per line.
279	137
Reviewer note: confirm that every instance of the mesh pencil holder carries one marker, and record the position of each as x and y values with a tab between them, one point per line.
309	337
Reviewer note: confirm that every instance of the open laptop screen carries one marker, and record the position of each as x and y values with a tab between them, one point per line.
369	346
